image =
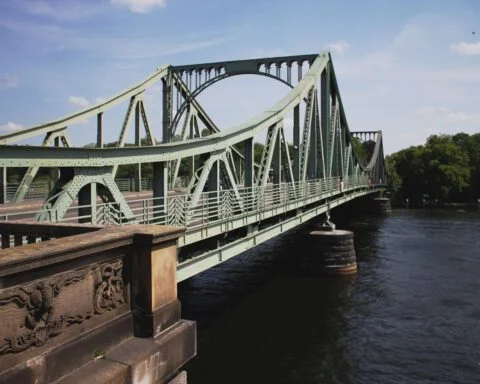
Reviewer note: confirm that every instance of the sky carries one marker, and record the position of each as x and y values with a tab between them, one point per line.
410	68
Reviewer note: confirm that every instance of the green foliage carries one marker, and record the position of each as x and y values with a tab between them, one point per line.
359	151
257	152
394	180
445	169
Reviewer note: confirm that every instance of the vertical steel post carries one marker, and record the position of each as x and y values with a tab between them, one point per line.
55	172
296	143
249	163
249	172
87	204
100	130
192	136
312	159
138	143
277	160
3	185
238	167
160	188
213	191
166	109
325	114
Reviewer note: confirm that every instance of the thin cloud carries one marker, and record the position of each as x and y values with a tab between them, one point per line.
62	10
58	38
10	127
448	115
466	49
8	81
140	6
79	101
429	111
339	47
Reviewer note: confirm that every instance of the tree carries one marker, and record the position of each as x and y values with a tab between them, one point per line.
443	169
394	179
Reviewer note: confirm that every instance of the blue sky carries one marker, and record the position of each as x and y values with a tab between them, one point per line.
408	67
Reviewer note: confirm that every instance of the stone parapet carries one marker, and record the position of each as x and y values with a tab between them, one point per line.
78	295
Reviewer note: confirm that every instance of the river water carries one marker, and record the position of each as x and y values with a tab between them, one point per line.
410	315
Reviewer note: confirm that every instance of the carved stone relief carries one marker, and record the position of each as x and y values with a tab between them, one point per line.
34	313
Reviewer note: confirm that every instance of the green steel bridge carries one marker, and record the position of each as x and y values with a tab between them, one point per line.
229	203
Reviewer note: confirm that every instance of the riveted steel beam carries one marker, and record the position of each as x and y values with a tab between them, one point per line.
165	152
54	137
3	185
69	186
93	110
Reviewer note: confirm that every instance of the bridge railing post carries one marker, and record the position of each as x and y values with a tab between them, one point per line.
154	286
3	185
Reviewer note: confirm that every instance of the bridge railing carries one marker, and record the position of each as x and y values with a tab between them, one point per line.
40	189
212	207
14	234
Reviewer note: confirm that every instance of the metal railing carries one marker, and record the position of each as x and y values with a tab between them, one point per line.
40	189
216	206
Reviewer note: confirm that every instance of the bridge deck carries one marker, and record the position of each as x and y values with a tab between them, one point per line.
264	213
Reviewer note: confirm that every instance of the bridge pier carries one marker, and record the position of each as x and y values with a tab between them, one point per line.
331	252
381	205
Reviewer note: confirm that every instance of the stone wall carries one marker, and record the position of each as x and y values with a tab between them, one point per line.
89	296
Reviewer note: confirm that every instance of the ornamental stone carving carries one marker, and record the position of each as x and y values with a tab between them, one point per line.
37	312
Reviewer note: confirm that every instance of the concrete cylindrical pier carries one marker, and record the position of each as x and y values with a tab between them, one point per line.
382	205
331	253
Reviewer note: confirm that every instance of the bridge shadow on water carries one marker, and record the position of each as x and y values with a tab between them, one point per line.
262	319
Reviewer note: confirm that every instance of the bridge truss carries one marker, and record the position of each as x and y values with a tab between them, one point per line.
225	186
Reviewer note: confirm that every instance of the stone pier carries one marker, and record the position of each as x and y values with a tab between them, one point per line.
381	205
87	304
330	252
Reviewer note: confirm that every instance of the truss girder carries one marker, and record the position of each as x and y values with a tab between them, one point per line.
267	155
287	162
66	191
189	125
229	179
190	103
305	146
93	110
148	129
29	176
331	139
170	151
320	146
323	149
199	179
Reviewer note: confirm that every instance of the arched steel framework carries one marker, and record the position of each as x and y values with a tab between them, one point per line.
322	142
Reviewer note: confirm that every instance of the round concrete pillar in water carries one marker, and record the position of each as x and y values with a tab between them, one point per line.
382	205
331	252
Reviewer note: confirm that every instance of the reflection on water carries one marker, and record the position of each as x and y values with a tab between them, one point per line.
411	315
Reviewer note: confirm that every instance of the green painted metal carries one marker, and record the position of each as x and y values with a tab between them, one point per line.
209	259
323	149
86	113
3	185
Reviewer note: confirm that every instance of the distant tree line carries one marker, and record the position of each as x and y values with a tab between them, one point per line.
445	169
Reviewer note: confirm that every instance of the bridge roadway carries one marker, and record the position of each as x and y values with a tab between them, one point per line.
266	213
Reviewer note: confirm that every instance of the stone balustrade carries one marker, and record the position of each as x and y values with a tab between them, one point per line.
82	303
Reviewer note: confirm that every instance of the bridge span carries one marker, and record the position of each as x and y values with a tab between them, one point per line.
231	202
